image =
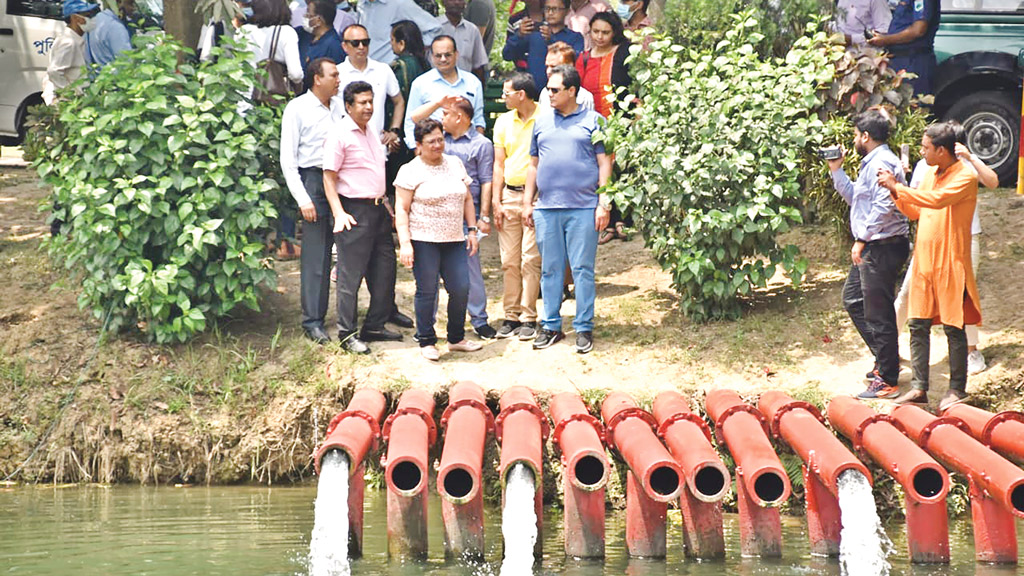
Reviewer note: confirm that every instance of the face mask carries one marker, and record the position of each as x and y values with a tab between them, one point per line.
623	11
306	25
89	25
247	12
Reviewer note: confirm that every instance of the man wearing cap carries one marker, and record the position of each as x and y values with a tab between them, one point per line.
67	56
105	35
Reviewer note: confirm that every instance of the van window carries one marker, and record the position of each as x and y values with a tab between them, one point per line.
39	8
982	6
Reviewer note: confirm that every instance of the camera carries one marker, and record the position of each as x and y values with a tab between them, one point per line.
830	153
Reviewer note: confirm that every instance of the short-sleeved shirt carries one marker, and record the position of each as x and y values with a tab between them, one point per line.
854	17
534	49
579	20
438	198
567	172
514	135
380	76
472	53
358	157
378	16
482	13
477	155
431	86
328	46
906	13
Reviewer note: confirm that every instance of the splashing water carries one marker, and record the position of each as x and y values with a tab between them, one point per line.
519	522
863	544
328	548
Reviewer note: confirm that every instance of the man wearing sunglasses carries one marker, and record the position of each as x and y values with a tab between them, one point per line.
359	66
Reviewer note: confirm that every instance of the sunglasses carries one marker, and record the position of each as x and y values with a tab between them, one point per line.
358	42
554	91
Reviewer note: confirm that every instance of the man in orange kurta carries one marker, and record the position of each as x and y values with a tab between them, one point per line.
943	289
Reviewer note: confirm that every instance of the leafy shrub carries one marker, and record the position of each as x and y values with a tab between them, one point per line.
711	163
158	173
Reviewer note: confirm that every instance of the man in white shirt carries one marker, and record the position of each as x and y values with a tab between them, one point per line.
472	54
305	126
67	56
359	66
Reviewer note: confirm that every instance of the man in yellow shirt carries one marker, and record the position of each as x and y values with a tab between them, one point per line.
520	259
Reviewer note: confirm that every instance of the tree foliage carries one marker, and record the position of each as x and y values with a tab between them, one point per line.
159	171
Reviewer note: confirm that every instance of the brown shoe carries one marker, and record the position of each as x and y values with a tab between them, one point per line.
288	251
913	397
952	397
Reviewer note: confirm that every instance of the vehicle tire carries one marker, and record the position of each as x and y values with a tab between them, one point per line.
992	120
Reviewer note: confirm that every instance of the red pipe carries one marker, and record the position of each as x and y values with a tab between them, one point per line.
580	438
761	483
654	477
522	429
802	427
355	432
997	485
925	483
466	422
409	432
707	479
1002	432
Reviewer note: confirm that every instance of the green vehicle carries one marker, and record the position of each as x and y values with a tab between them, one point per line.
980	53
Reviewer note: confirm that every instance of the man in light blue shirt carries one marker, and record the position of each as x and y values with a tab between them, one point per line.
879	251
378	16
441	87
105	38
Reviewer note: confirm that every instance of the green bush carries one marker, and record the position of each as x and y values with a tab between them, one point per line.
711	161
160	174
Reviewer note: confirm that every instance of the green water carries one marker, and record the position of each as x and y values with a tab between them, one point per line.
258	530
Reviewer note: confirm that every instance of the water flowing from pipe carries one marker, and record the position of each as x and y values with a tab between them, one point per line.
864	545
519	522
328	548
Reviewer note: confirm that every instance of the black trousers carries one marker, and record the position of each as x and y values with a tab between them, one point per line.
920	354
868	297
315	261
367	250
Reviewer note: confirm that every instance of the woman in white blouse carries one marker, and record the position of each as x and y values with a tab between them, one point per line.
272	18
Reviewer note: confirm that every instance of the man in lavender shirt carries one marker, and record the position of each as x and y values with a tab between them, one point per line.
857	18
354	185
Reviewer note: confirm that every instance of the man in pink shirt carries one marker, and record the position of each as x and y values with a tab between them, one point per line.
580	13
354	185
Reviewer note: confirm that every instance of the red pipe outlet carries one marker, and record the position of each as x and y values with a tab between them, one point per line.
654	477
1003	432
802	427
579	437
521	429
409	432
925	483
466	421
707	479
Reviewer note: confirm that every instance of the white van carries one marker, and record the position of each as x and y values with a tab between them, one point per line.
28	29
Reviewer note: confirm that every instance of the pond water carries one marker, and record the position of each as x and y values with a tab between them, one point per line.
85	530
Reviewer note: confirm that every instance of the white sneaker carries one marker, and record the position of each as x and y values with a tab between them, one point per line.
465	346
430	353
975	362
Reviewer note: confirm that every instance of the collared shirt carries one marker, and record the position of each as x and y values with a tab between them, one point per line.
67	56
358	157
534	49
343	18
567	171
906	13
108	39
470	45
431	86
583	97
328	46
514	135
579	20
873	214
378	16
477	155
484	15
853	17
380	76
304	129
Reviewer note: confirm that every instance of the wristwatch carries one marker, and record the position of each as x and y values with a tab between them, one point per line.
485	219
473	228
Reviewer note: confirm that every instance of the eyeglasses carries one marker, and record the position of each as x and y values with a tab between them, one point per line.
358	42
554	9
444	56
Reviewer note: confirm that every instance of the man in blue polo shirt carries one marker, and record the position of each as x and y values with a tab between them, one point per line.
566	169
911	40
531	44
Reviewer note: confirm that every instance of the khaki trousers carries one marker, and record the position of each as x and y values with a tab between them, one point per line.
520	261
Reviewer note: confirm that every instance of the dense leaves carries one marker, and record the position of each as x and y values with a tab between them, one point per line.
159	169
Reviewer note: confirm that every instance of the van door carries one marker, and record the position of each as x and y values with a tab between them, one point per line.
28	29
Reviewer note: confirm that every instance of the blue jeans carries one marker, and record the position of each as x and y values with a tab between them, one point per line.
562	233
477	304
446	260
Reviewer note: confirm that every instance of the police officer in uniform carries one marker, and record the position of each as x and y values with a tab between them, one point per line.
911	40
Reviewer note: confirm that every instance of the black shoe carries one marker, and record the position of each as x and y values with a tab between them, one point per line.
485	332
351	343
318	335
584	342
400	320
508	329
568	293
382	335
546	338
528	331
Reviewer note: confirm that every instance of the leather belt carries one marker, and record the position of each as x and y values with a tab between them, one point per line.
515	188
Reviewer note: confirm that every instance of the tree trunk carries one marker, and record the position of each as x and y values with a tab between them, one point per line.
656	10
182	21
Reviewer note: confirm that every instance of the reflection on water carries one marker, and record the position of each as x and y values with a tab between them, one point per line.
258	530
